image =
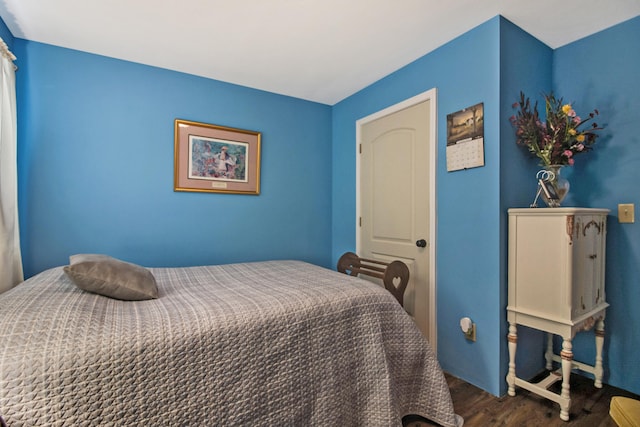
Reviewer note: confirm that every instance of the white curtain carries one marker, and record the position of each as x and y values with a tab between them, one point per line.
10	258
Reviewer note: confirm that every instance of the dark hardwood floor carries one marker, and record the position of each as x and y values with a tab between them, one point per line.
589	406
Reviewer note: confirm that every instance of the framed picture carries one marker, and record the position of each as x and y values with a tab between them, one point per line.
216	159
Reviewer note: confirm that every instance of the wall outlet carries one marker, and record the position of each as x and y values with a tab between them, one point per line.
471	333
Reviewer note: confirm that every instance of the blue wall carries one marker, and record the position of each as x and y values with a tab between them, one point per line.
525	65
601	71
465	72
96	166
6	35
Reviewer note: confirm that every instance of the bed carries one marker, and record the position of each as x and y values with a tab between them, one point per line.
276	343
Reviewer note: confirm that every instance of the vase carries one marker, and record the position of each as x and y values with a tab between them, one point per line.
557	184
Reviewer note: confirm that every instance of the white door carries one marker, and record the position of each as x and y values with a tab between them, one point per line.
396	153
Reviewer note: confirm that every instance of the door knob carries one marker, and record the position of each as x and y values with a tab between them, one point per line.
421	243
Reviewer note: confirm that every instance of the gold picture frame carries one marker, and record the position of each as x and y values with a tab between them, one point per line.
216	159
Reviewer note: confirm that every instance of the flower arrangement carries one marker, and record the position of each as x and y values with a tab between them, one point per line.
558	140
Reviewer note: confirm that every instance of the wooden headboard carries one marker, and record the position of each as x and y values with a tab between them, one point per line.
389	272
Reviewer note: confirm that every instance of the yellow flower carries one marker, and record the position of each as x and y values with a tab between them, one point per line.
566	108
580	138
572	132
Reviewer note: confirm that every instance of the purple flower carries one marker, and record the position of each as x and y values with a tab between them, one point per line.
558	138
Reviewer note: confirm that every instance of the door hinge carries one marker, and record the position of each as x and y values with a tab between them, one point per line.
360	221
360	149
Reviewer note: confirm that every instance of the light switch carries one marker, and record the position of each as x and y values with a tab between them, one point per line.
625	213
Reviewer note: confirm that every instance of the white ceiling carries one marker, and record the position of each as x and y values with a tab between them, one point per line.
319	50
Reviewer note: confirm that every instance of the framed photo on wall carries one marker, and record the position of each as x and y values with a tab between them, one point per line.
216	159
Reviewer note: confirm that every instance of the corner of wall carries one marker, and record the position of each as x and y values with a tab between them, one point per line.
525	65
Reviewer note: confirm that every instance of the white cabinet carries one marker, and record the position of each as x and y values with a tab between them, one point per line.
556	284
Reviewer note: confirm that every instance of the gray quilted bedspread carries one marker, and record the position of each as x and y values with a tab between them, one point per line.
279	343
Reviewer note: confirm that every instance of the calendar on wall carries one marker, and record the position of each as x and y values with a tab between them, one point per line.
465	138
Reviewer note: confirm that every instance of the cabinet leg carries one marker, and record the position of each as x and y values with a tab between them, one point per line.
511	376
567	361
548	355
598	371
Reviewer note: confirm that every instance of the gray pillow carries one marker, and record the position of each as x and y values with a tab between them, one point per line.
104	275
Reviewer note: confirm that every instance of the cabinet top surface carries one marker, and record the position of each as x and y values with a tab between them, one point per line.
556	211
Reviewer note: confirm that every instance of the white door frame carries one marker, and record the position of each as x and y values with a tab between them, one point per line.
431	96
